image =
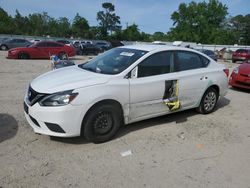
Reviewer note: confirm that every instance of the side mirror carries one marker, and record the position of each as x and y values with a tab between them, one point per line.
134	73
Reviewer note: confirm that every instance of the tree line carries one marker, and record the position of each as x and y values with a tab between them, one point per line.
200	22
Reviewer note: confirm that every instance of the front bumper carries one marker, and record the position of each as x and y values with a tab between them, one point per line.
12	55
237	80
45	120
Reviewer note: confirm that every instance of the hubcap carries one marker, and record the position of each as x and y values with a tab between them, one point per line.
3	47
210	101
103	123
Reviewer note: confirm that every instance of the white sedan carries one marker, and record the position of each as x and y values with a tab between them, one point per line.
121	86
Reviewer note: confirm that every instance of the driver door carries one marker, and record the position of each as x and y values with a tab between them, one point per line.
150	86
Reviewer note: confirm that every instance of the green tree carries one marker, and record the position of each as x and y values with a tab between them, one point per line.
63	27
6	22
159	36
198	22
21	23
132	33
108	20
240	25
80	26
39	24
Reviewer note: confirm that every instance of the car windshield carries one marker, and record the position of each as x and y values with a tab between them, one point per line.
113	61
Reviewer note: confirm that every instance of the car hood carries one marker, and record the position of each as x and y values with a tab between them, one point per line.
67	79
244	68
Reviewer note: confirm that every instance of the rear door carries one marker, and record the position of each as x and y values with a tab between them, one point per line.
54	48
193	77
41	50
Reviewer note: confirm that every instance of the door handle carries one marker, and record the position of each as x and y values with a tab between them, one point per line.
203	78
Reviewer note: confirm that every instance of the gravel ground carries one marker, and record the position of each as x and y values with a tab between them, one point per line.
185	149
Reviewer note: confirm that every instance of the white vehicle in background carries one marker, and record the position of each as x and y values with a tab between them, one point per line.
34	41
121	86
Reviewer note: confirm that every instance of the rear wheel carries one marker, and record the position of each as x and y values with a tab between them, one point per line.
102	123
4	47
23	55
208	101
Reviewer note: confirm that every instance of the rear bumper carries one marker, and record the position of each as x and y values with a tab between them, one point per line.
236	58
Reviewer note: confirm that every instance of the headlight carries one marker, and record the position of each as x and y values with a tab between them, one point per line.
58	99
236	70
13	51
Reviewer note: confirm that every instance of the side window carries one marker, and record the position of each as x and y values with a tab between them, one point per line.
13	41
189	60
156	64
51	44
21	41
205	61
41	44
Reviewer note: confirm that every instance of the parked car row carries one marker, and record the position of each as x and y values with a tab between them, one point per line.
81	46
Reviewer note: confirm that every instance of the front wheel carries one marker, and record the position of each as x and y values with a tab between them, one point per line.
102	123
23	55
208	101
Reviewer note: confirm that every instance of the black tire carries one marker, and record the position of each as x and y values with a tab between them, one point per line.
102	123
23	55
4	47
208	101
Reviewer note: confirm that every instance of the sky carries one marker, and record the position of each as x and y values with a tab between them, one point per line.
149	15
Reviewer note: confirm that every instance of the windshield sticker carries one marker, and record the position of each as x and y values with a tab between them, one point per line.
171	95
129	54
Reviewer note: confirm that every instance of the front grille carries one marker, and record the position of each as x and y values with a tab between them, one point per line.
34	96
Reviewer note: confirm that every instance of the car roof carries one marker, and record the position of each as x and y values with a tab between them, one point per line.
149	47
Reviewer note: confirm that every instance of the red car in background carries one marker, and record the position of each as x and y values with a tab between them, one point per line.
240	76
241	55
42	50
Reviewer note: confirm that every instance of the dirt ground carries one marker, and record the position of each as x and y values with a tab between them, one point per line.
185	149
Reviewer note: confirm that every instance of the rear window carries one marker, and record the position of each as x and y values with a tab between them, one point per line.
241	51
189	60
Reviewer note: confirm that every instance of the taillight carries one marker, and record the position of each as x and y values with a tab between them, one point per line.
243	54
226	72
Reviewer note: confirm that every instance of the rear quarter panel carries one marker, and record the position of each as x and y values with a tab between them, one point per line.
218	77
